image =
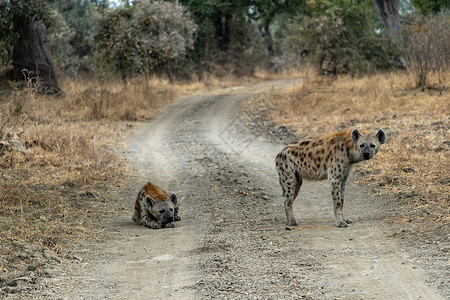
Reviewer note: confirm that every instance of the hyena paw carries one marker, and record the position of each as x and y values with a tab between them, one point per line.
292	223
169	225
176	218
341	224
348	221
151	223
154	225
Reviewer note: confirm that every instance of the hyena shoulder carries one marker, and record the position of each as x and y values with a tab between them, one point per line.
154	191
335	141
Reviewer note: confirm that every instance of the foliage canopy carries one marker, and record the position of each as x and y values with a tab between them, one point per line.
196	36
137	39
346	36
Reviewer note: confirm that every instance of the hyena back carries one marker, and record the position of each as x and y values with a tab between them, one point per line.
154	208
328	157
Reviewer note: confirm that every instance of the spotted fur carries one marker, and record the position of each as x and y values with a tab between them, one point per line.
328	157
154	208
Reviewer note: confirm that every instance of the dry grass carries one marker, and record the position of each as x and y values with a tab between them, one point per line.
414	164
43	186
49	192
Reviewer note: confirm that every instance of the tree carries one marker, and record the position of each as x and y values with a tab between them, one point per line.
74	23
342	37
427	43
266	12
26	34
227	38
215	19
137	39
388	10
32	59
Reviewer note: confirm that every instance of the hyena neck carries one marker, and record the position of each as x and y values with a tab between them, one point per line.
355	156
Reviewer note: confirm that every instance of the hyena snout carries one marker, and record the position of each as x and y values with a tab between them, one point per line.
367	154
168	218
369	151
165	216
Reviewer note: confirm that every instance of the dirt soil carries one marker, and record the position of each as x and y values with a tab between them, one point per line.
232	241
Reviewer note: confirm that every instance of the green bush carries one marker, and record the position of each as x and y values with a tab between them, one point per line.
140	38
73	25
344	37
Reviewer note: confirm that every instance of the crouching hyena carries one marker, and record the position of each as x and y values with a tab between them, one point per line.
154	208
331	156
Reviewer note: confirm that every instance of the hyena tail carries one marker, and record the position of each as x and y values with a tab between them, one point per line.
280	169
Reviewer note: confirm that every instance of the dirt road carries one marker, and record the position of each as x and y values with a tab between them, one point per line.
232	242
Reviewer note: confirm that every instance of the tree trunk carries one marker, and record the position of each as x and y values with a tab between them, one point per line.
32	59
388	10
222	25
265	33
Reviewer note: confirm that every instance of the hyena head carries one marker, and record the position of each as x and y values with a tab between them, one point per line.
162	210
368	145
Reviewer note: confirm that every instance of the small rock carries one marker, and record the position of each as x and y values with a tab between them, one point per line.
50	255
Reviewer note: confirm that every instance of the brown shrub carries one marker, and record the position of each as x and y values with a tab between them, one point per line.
428	44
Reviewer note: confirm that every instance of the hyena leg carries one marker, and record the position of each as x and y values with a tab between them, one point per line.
343	184
136	215
338	202
176	217
291	184
288	203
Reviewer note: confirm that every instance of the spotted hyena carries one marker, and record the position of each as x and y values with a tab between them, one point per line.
331	156
154	208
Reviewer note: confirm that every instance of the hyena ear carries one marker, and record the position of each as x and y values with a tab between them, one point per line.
355	135
149	202
381	135
174	199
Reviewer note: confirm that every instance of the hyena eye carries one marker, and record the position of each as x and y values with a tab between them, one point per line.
372	145
361	145
171	209
161	211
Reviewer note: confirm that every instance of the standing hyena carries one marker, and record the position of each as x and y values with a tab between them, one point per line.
331	156
154	208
